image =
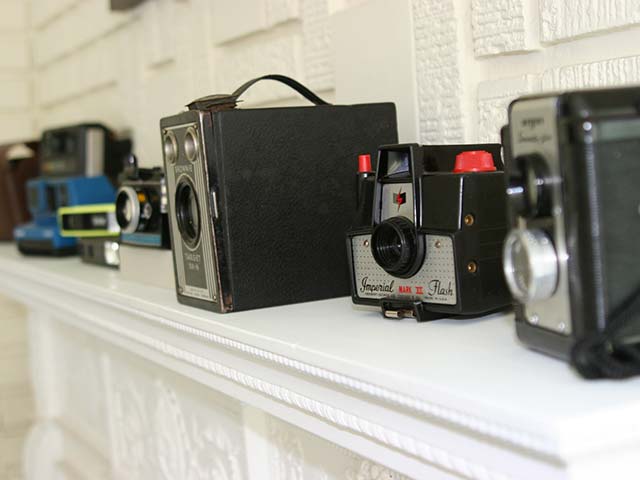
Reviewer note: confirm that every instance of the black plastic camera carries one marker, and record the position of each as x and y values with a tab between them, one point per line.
571	259
434	247
141	206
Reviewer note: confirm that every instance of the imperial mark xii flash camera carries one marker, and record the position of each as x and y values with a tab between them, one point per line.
434	246
571	259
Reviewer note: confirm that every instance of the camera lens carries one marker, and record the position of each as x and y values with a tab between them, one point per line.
530	265
529	188
191	144
188	213
170	147
397	247
127	209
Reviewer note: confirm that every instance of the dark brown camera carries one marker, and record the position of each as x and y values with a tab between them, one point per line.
18	163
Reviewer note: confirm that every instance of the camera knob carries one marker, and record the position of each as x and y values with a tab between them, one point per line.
530	265
529	189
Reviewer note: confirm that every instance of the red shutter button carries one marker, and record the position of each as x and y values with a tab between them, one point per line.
364	163
474	161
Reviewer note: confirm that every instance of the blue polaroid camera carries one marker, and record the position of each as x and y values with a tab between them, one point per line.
45	197
80	164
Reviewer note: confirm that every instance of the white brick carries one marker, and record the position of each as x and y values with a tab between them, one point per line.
317	46
14	15
562	19
15	126
501	26
279	11
494	97
438	71
238	62
13	51
43	11
237	18
79	26
617	71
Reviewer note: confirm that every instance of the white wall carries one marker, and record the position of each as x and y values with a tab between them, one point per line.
451	65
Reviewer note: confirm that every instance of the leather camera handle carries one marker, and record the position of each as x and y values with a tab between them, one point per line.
226	102
288	81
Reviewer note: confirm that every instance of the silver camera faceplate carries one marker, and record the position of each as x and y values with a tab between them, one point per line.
196	267
435	282
534	129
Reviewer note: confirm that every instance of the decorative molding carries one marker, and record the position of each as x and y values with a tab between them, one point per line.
521	438
287	461
368	470
153	436
338	417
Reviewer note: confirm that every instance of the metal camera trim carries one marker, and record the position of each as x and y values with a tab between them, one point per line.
131	194
191	144
544	271
170	154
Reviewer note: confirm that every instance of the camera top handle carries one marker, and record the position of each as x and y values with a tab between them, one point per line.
225	101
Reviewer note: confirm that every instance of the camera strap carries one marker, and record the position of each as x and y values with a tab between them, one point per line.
615	352
221	102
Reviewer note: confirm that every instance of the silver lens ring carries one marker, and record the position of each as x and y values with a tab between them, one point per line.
131	197
170	146
530	265
191	144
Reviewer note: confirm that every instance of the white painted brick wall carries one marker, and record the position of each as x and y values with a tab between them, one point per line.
470	58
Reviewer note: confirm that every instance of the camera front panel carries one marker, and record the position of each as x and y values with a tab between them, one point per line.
188	198
535	252
78	150
435	281
141	208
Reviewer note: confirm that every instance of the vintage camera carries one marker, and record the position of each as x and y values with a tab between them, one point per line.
571	259
92	220
45	197
103	251
260	199
141	206
434	244
87	149
18	163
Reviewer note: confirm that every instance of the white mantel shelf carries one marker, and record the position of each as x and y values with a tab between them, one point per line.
446	399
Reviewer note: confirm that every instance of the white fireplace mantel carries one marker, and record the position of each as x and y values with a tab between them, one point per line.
131	384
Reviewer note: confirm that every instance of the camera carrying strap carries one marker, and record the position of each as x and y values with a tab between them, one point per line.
615	352
221	102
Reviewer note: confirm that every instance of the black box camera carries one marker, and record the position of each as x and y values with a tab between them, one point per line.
433	245
260	199
571	259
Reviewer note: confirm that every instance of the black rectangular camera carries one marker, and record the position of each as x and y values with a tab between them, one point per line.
433	246
260	199
141	206
571	258
87	149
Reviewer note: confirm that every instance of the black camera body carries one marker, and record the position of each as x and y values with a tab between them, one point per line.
433	248
141	206
87	149
571	259
260	199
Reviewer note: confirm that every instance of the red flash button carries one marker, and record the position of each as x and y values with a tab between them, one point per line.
474	161
364	163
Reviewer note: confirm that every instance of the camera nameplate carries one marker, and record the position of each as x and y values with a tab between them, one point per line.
195	265
436	278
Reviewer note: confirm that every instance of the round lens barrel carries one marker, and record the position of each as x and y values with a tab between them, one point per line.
188	213
397	247
127	209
